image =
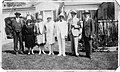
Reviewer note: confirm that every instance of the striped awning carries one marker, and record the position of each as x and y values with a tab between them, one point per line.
82	5
18	9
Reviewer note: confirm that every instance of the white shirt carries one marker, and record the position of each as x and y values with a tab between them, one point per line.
62	28
18	19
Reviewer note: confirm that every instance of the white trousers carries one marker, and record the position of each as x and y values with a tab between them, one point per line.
76	45
61	43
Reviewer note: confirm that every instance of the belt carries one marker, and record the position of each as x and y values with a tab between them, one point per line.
76	28
76	36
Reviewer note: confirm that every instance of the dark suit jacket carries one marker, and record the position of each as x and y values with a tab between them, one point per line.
88	28
17	26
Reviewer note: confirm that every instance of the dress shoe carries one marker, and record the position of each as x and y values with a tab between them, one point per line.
73	54
77	55
59	55
52	53
89	57
39	53
29	53
64	54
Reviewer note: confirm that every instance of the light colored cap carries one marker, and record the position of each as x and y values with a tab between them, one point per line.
29	17
73	11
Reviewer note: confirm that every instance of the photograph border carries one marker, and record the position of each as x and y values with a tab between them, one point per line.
118	2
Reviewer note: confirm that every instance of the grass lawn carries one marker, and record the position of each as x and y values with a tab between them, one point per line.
100	61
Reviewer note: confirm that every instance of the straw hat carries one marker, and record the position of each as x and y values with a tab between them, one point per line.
73	12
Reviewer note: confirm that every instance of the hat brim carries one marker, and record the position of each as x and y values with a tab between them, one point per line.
49	17
86	13
61	16
73	12
17	14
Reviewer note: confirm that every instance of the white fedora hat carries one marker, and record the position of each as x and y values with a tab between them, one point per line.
73	12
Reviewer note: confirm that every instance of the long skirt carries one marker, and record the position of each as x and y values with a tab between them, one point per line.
50	38
29	41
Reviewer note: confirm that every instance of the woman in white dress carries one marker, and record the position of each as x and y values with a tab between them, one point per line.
50	36
40	27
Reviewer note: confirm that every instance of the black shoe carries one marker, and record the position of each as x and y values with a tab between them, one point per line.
89	57
77	55
73	54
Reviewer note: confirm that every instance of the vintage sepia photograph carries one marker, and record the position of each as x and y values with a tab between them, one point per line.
60	34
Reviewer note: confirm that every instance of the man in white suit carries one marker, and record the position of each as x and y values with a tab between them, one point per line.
62	31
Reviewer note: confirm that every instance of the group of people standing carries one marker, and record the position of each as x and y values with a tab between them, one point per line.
43	33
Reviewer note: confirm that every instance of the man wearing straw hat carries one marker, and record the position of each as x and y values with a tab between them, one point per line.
17	24
88	31
74	32
62	31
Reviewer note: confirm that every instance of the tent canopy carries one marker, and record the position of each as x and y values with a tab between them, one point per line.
82	5
46	6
